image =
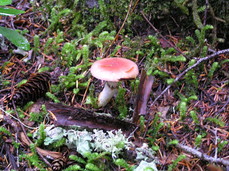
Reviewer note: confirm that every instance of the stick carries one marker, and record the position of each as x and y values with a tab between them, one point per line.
203	155
225	51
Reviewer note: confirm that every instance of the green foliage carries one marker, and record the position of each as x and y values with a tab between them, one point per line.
52	97
69	54
142	123
91	99
5	2
21	82
36	42
48	45
75	78
12	35
191	78
52	45
173	142
217	121
28	105
194	117
120	103
134	86
16	144
92	167
20	112
154	129
198	139
94	161
72	56
73	168
183	109
157	56
44	69
213	68
33	159
175	162
58	143
75	55
182	5
122	163
4	131
196	17
183	104
170	81
221	145
42	135
198	47
77	159
8	11
38	117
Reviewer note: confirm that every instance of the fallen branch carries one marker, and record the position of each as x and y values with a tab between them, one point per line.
203	155
225	51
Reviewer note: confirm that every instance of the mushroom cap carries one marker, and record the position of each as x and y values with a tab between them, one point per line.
114	69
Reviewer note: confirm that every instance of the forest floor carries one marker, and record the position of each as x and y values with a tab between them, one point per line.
179	130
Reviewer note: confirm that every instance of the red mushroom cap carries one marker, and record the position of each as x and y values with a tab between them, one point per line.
114	69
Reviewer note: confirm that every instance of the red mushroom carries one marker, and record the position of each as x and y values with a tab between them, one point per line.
112	70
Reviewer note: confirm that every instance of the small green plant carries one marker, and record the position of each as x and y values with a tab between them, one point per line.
92	161
122	163
173	142
6	133
12	35
74	167
3	82
41	135
154	129
38	117
175	162
221	145
183	104
198	46
33	158
52	97
213	68
75	78
36	42
217	121
157	56
53	43
91	99
142	123
20	112
194	117
120	103
198	139
3	130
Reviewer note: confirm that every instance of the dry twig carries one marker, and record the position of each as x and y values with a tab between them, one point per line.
225	51
203	155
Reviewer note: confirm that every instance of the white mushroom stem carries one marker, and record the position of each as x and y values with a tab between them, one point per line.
107	93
